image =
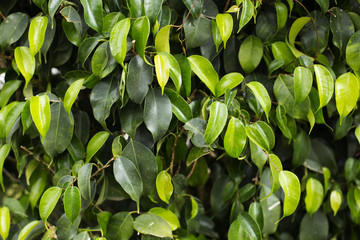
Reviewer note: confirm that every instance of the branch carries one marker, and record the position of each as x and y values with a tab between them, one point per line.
173	151
40	159
272	163
103	167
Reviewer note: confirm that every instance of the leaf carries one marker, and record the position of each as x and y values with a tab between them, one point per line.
85	49
282	121
314	227
296	27
152	8
314	195
71	94
25	231
246	13
157	105
4	152
102	97
118	43
185	68
84	184
197	31
205	71
342	28
152	224
167	215
37	186
7	91
4	222
324	4
93	13
216	122
235	138
353	52
281	14
25	62
48	202
303	80
135	8
291	187
258	156
40	113
275	168
250	53
95	143
346	94
99	60
236	231
256	212
174	69
140	31
250	226
53	6
325	84
120	226
11	118
164	186
216	34
302	148
261	134
72	203
140	76
357	133
335	201
12	28
37	33
229	81
180	107
194	6
162	70
224	22
131	117
60	131
261	95
162	40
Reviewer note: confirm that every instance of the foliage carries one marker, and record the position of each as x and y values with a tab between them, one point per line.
186	119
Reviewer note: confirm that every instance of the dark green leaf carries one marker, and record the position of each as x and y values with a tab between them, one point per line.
152	9
140	31
12	28
194	6
250	226
72	203
84	185
120	226
314	227
342	28
53	6
197	31
131	116
93	13
180	107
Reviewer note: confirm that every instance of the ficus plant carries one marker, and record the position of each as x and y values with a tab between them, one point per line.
179	119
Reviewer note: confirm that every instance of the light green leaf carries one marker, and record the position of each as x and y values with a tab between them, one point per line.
216	34
11	118
167	215
174	70
325	84
72	203
164	186
216	122
93	13
256	212
12	28
205	71
303	80
4	222
71	94
140	31
4	152
185	67
235	138
346	94
118	41
25	231
357	133
37	34
250	226
261	134
291	187
162	40
275	168
335	200
162	70
152	224
95	143
250	53
296	27
247	13
48	202
229	81
40	113
25	61
84	184
53	6
224	22
180	107
353	52
314	195
281	14
261	95
258	156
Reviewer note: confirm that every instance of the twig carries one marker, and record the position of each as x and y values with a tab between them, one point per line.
103	167
173	151
192	170
41	160
2	16
11	176
272	163
227	5
187	16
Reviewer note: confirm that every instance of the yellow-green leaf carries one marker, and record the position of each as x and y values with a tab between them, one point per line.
314	195
48	202
162	40
291	186
37	34
303	80
247	13
25	61
325	84
224	22
261	95
235	138
229	81
140	31
4	222
164	186
261	134
118	40
4	152
168	216
217	121
40	113
25	231
162	70
335	200
95	143
71	94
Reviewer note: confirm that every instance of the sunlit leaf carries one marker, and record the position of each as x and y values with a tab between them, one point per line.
118	43
291	187
95	143
37	34
48	202
224	22
314	195
40	113
235	138
217	121
261	95
25	61
335	201
164	186
152	224
261	134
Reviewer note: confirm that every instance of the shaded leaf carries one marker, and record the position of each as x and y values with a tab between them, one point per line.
250	53
341	27
84	184
120	226
353	52
180	107
250	226
4	152
12	28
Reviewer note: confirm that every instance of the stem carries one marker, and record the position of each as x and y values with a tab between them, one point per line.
192	170
272	163
103	167
2	16
173	151
40	159
227	5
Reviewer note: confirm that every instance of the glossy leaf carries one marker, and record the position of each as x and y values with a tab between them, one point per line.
357	133
120	226
4	152
93	13
261	95
291	187
296	27
164	186
72	203
25	231
84	184
174	69
229	81
162	40
250	226
353	52
194	6
48	202
258	156
152	224
152	9
118	43
4	222
11	118
314	227
342	28
162	70
25	61
167	215
261	134
335	201
37	34
302	148
216	122
303	80
314	195
7	91
71	94
325	84
53	6
282	121
281	14
195	35
235	138
275	168
140	31
100	59
250	53
216	34
13	28
131	117
246	13
95	143
224	22
256	212
41	113
180	107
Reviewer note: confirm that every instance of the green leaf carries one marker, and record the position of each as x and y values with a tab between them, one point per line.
164	186
152	224
346	94
194	6
302	148
275	168
95	143
93	13
131	117
72	203
140	76
314	195
258	156
167	215
152	9
282	52
324	4
174	69
135	8
12	28
162	70
4	222
60	131
216	34
41	113
37	186
261	95
162	40
25	231
296	27
99	60
357	133
229	81
224	22
7	91
197	31
325	84
282	121
256	212
291	187
48	202
86	48
281	14
25	62
247	13
118	41
335	201
37	34
314	227
120	226
303	80
185	67
216	122
195	154
71	94
353	52
110	20
205	71
261	134
53	6
250	226
157	105
180	107
341	27
84	184
102	97
140	31
250	53
235	138
4	152
236	231
11	118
